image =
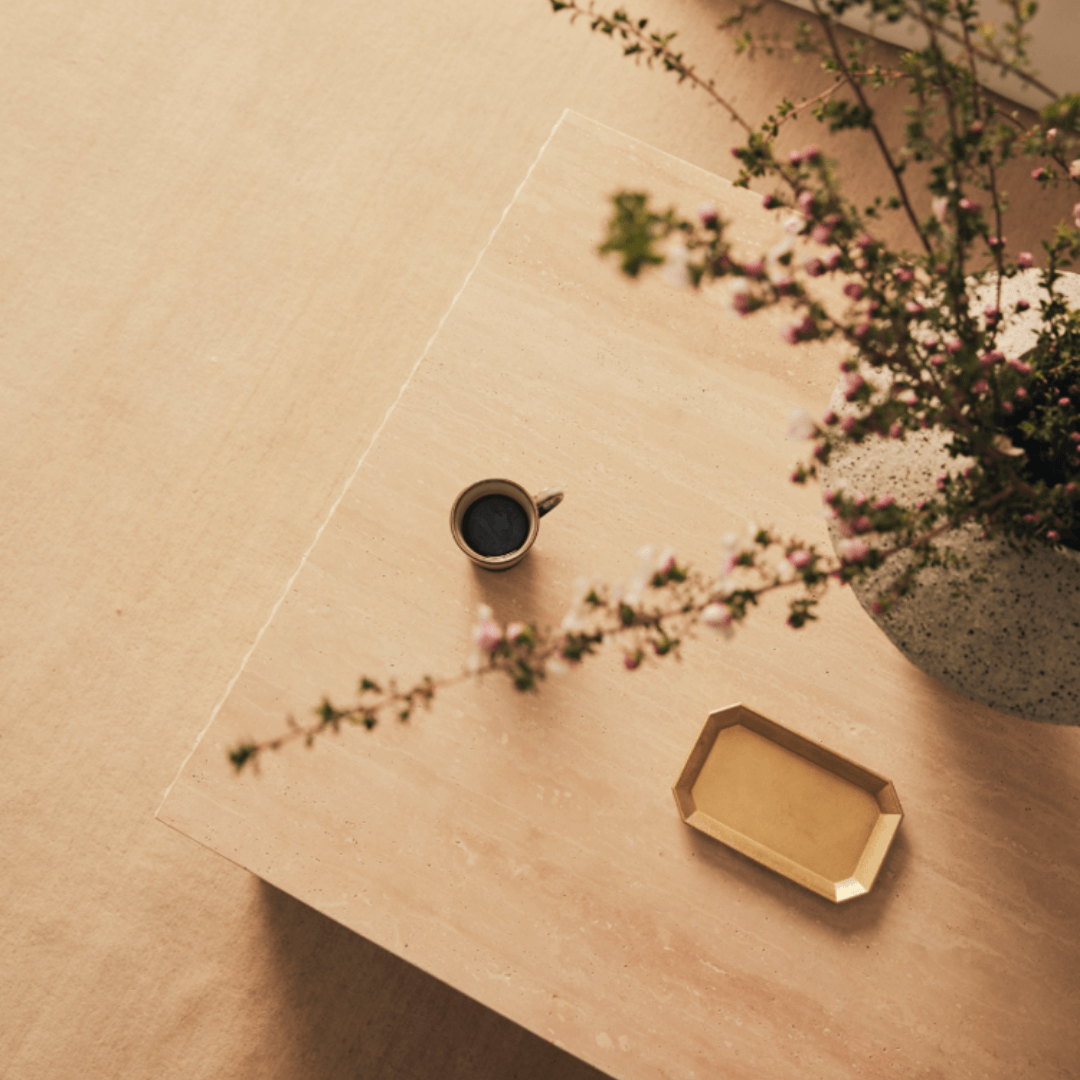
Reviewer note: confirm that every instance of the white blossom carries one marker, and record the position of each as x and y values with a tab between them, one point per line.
676	267
718	616
800	425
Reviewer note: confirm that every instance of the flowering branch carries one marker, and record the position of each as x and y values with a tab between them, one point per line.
875	130
652	45
652	614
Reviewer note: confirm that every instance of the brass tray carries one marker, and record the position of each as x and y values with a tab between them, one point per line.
787	802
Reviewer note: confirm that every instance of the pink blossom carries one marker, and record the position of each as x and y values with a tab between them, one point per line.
953	345
876	607
1007	406
861	524
967	204
666	563
1022	305
811	153
1064	402
988	359
992	314
829	496
862	329
1070	488
1020	393
859	499
941	480
814	267
769	201
980	386
800	331
865	241
821	234
904	274
1075	436
853	290
795	157
847	425
834	260
1020	366
912	307
707	215
896	430
1025	259
883	502
1039	174
755	268
487	636
854	551
937	359
853	383
799	559
632	661
931	342
1052	534
806	201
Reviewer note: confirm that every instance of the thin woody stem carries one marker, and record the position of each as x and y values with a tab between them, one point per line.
826	93
656	45
613	626
991	172
826	24
990	58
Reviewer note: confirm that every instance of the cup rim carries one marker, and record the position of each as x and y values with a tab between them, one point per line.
494	486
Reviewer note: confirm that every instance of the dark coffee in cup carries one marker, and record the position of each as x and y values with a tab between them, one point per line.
495	521
495	525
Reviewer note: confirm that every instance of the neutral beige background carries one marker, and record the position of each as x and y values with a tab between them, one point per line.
228	233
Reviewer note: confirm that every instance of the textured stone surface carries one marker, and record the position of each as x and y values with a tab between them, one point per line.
527	850
1013	640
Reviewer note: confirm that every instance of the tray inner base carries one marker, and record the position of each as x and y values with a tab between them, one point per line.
783	801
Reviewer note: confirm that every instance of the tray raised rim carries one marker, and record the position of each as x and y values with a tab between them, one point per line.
877	845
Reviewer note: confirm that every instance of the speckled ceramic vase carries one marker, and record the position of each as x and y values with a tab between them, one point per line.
1011	641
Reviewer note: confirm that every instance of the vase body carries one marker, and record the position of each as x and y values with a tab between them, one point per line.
1004	630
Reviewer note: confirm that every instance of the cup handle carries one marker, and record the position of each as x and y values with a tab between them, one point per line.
547	500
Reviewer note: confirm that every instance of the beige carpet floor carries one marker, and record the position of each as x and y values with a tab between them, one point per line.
227	232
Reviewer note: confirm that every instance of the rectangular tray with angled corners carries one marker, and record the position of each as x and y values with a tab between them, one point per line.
787	802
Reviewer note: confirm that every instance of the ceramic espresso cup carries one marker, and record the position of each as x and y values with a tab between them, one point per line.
496	521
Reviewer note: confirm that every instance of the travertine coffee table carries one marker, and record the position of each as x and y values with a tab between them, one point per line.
527	850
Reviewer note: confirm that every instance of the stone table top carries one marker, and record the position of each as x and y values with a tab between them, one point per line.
527	849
